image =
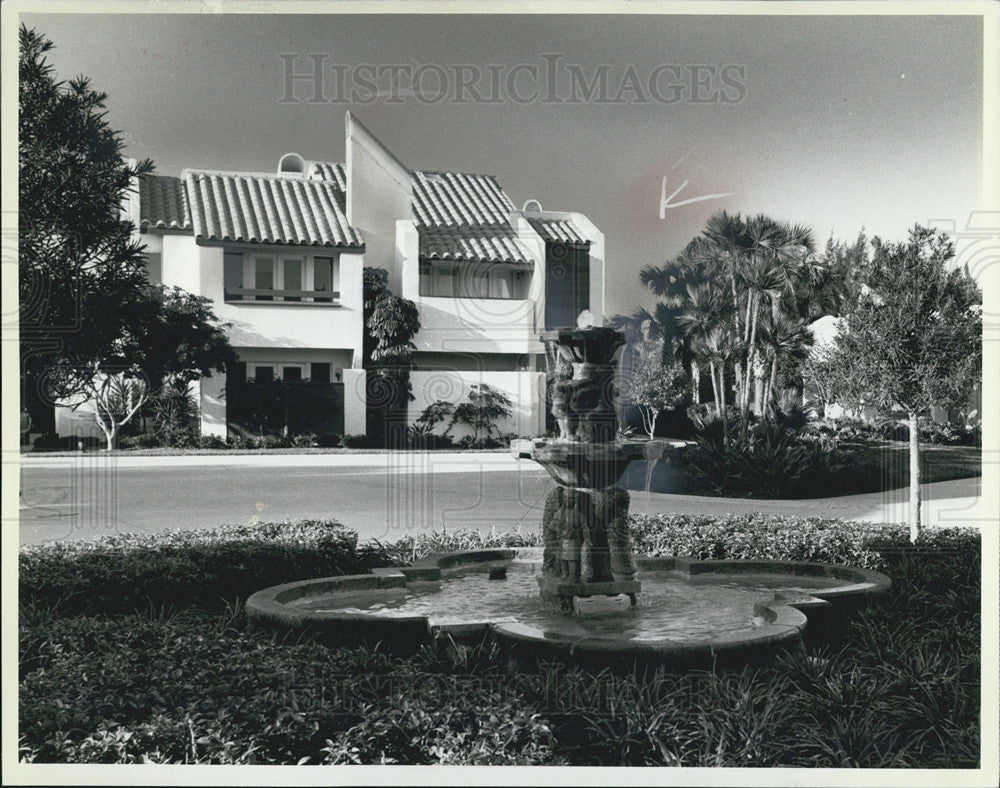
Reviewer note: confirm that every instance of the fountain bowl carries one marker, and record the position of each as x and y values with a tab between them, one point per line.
589	465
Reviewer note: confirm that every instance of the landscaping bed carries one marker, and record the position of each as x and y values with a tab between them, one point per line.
136	649
854	468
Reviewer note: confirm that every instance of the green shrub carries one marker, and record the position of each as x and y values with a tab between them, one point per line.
848	429
49	441
408	549
144	440
761	537
894	684
212	442
182	568
475	728
175	416
756	536
192	688
773	460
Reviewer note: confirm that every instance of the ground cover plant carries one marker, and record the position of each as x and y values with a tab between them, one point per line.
163	672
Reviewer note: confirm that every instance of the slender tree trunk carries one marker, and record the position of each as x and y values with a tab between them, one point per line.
738	378
722	393
695	383
914	477
715	387
759	387
743	392
752	349
769	397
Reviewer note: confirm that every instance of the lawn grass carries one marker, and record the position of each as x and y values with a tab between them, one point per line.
170	674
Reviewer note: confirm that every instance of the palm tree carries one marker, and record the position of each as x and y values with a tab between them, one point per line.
695	265
763	257
782	337
704	322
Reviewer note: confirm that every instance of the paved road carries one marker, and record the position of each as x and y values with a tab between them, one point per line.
382	496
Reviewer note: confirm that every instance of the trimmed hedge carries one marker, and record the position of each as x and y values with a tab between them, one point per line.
177	569
764	536
182	568
897	685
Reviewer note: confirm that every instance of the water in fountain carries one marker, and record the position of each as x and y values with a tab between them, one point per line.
672	606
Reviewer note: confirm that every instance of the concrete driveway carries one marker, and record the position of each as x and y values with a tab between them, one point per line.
383	496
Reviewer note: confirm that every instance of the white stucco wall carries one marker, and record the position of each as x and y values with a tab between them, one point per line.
475	325
294	325
597	267
354	401
379	189
211	395
525	389
181	263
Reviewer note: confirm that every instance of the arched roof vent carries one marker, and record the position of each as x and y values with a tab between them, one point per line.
291	164
532	206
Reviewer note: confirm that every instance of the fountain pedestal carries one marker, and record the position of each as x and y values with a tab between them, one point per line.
585	519
587	551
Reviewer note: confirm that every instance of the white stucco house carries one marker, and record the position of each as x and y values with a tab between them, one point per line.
281	255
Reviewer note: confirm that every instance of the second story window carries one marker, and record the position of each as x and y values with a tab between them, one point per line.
281	277
468	280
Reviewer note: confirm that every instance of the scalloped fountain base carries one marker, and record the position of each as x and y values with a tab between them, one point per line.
690	612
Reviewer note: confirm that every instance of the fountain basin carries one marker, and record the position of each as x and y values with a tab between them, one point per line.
690	612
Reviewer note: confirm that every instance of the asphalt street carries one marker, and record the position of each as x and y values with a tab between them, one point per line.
381	496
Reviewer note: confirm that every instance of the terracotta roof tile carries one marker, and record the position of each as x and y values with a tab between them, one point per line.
249	208
163	204
453	199
558	230
480	244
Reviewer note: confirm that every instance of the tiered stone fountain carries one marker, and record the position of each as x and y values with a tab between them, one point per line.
585	518
692	612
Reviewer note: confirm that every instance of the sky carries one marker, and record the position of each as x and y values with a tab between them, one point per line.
838	122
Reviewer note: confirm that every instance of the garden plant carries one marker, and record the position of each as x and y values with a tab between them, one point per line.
135	649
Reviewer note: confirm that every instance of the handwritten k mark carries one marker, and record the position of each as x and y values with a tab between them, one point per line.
665	201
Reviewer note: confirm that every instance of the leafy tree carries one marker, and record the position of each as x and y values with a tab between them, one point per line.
79	263
92	328
181	338
435	414
717	297
765	260
783	338
390	324
836	284
915	338
171	337
657	383
822	376
486	405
